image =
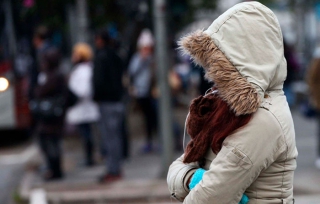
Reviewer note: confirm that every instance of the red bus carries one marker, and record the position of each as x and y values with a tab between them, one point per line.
14	110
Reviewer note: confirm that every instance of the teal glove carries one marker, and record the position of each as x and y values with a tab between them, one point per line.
197	177
244	199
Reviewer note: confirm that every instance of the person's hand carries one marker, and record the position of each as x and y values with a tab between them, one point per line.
197	177
244	199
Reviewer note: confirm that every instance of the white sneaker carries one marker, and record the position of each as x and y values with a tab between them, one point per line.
317	163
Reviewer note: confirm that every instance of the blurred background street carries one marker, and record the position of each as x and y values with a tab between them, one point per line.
59	103
140	171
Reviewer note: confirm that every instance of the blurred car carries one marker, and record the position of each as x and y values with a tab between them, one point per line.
14	111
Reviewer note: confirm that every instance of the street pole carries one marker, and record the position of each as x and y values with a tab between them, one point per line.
9	26
82	14
73	25
165	111
300	9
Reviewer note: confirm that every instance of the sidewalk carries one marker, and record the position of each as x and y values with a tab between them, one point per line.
307	176
141	183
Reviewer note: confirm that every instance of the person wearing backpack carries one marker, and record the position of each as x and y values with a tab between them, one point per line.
85	111
48	109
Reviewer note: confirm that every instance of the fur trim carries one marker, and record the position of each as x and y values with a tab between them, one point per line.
239	94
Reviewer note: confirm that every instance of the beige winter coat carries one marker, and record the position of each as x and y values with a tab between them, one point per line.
242	52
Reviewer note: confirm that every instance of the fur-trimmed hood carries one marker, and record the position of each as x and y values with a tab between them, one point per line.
242	52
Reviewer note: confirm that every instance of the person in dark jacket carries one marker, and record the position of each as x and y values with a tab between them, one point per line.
41	44
108	92
51	84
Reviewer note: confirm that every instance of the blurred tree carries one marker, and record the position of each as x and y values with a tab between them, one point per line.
182	12
104	11
53	12
28	3
49	12
267	2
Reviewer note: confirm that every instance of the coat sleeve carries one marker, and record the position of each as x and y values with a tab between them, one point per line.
243	156
80	81
134	65
178	176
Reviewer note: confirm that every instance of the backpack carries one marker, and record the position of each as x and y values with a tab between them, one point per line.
48	109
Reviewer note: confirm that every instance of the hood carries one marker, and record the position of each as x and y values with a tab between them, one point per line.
242	52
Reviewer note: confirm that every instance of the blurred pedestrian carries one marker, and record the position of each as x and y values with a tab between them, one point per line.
23	59
108	92
242	147
84	113
41	43
48	109
313	80
141	73
292	70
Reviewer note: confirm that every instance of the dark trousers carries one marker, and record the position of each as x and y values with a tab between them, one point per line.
50	145
125	139
149	111
110	127
86	133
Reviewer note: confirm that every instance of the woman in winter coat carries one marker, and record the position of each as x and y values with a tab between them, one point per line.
51	84
243	140
85	112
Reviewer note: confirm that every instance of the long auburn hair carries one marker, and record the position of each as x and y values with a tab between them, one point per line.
225	122
210	122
